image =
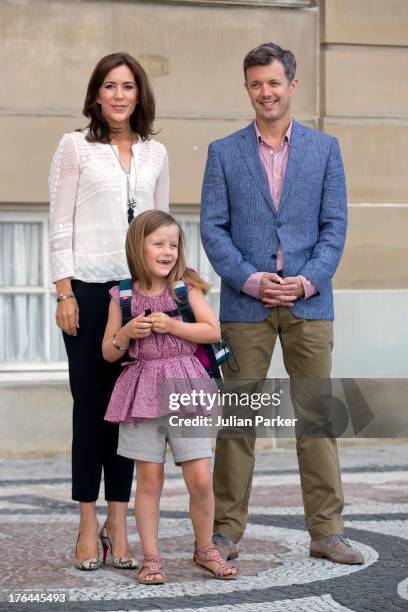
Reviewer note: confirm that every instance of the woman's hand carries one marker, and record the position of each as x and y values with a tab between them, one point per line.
67	316
139	327
161	323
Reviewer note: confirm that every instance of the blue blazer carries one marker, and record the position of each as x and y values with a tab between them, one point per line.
241	229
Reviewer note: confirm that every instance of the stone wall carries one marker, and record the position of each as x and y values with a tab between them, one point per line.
364	95
193	54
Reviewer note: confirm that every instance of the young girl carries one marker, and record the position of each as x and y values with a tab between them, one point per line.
161	347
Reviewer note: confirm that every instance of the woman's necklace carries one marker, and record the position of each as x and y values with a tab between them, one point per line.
131	199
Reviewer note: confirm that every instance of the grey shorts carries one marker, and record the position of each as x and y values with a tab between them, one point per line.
147	440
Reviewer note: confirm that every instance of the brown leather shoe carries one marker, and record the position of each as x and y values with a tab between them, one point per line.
336	548
227	549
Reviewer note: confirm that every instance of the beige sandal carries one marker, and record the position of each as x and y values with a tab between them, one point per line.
153	564
210	554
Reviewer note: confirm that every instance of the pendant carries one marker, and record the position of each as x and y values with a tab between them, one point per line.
132	203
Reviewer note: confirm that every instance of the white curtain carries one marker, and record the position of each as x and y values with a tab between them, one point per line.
21	337
22	315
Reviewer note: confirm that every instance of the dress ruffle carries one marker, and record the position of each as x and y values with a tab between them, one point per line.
143	389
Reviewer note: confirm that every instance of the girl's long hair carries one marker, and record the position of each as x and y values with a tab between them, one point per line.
142	117
145	224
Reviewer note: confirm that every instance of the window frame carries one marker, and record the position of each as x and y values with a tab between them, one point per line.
46	370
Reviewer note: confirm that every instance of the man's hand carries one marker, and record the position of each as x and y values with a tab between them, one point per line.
295	280
275	291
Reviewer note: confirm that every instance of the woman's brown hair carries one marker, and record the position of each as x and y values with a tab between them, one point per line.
142	118
145	224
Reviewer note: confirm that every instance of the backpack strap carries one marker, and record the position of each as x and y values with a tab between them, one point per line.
182	302
183	305
125	299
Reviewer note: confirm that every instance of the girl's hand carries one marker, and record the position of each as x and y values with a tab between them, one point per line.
139	327
67	316
161	323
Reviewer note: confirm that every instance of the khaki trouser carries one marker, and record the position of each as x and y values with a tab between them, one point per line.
306	347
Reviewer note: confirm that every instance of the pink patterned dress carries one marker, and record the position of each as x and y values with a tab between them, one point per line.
159	364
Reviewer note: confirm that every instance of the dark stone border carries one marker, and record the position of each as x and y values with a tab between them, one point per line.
258	472
46	506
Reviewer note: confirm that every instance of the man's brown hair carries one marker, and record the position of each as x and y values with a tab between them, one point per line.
268	52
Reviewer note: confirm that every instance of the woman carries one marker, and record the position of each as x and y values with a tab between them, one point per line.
100	178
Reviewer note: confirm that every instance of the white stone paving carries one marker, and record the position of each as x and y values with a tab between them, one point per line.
347	477
295	568
363	507
6	505
403	589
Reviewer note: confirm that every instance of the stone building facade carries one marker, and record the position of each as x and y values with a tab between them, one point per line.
352	63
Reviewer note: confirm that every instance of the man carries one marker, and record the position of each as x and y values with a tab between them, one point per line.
273	224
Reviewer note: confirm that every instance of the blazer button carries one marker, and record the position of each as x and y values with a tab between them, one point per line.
279	224
273	256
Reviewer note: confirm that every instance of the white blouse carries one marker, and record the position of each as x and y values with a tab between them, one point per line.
88	204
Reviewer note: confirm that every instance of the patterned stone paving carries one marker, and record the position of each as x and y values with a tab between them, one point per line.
39	522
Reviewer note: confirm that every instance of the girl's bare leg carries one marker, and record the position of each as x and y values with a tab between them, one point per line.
147	507
198	478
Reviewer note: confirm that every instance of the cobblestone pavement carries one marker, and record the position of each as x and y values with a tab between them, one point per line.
39	523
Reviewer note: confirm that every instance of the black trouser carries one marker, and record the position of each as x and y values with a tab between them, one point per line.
94	441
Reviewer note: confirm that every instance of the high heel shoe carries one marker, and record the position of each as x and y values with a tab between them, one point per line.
118	562
85	565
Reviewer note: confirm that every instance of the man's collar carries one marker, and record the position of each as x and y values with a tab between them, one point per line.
286	137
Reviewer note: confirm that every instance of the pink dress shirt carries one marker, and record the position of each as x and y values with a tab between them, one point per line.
275	162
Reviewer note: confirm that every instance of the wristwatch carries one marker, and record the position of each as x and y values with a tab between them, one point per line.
65	296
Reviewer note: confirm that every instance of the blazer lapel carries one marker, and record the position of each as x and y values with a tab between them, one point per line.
297	152
250	152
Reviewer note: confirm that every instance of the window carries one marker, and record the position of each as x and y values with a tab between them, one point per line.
30	342
31	345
